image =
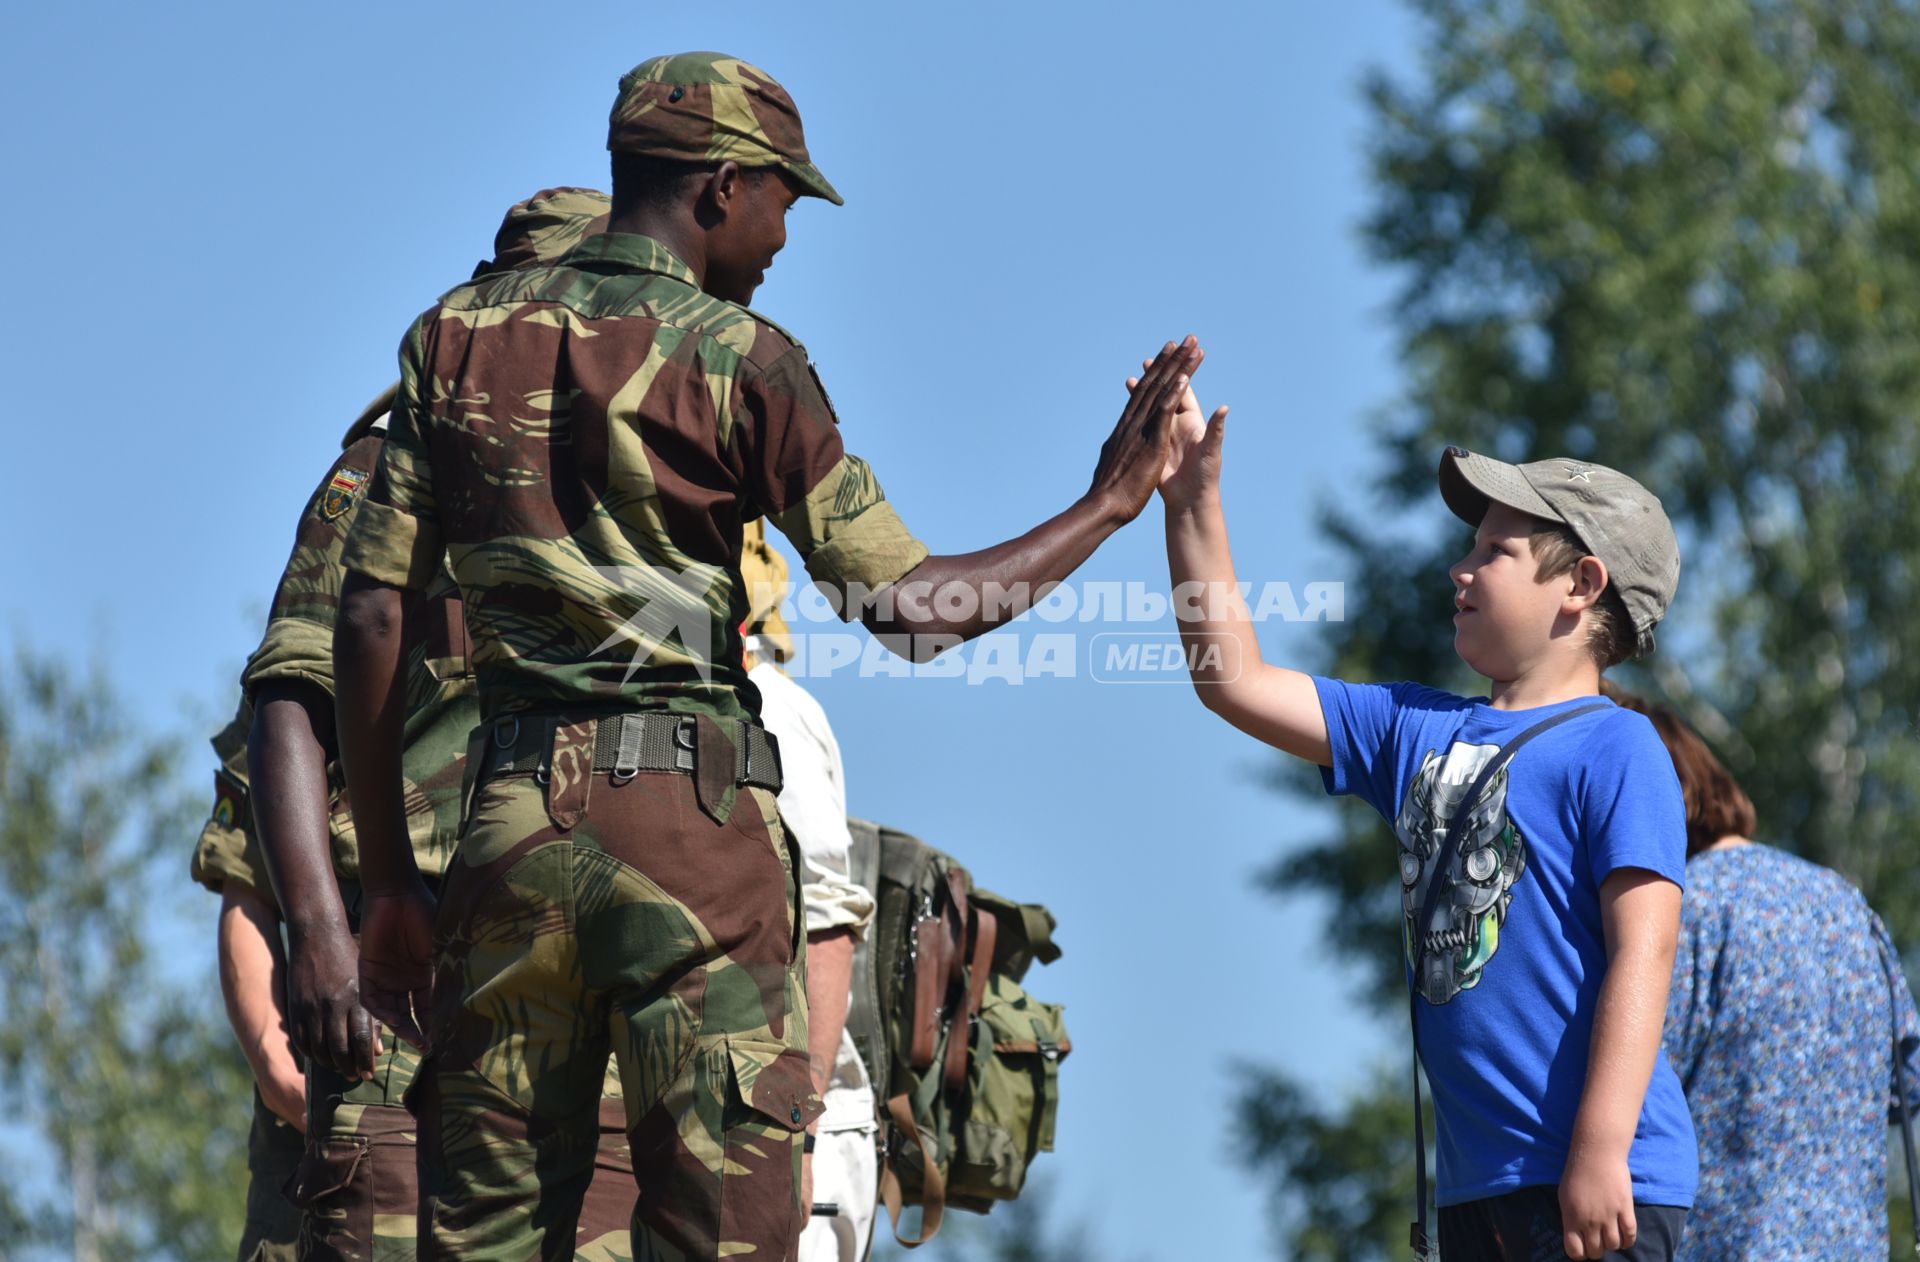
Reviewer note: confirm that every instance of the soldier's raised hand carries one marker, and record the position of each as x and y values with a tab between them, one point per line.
1135	456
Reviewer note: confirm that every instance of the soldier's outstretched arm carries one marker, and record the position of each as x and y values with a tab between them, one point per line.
1000	583
396	923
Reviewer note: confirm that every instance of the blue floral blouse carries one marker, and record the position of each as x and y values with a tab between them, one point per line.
1780	1026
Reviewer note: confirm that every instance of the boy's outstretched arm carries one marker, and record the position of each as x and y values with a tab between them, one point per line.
1640	913
1279	706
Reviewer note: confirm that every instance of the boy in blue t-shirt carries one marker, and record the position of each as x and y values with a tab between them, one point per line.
1541	962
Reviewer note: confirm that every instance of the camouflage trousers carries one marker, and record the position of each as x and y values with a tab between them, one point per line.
357	1189
591	914
273	1224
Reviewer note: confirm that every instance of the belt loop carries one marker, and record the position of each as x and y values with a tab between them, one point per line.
683	743
626	759
506	733
543	769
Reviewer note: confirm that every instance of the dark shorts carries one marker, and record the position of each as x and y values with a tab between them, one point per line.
1524	1226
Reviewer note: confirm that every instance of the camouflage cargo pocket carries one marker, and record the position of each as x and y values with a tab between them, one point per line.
334	1189
770	1101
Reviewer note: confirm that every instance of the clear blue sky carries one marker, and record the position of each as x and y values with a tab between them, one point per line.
224	216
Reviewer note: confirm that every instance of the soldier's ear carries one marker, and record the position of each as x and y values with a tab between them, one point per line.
723	186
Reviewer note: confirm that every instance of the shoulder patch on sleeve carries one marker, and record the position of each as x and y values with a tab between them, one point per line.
229	800
337	498
821	386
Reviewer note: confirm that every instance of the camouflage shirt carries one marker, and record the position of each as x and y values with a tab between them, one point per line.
584	442
227	850
442	706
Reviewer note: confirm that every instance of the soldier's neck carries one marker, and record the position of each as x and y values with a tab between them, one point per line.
671	229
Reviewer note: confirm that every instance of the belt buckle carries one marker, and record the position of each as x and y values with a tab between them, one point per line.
685	732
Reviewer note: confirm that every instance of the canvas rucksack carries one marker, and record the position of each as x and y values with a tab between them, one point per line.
965	1064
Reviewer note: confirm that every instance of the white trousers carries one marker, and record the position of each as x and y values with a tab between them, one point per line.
846	1172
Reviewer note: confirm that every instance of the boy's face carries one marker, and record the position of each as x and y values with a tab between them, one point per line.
1505	620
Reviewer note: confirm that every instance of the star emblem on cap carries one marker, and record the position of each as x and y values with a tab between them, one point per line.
1580	473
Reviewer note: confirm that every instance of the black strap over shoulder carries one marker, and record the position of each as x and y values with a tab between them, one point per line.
1904	1101
1418	1237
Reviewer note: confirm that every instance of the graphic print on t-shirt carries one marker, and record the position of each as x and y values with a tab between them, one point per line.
1464	929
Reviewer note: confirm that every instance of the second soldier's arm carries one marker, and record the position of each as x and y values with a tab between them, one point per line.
396	922
291	745
290	680
394	549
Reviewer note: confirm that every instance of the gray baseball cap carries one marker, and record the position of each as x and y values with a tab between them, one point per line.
1614	517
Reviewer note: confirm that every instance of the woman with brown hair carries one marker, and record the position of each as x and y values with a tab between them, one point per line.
1782	1022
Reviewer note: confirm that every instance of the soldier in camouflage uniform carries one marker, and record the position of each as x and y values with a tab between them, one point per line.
226	859
583	443
356	1181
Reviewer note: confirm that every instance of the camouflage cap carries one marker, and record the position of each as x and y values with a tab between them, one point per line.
709	107
765	573
545	226
1614	517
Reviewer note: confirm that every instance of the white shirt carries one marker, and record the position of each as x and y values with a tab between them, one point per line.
813	806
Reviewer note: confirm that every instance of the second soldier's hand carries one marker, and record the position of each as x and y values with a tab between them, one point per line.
328	1023
1136	455
396	959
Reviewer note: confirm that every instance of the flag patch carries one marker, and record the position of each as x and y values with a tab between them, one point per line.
341	488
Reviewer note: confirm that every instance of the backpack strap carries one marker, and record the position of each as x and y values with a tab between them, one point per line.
985	927
939	964
933	1186
1418	1237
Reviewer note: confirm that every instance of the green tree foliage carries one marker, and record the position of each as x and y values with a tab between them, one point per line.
1677	239
1316	1156
124	1080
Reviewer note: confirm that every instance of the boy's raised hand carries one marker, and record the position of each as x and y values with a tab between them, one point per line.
1194	457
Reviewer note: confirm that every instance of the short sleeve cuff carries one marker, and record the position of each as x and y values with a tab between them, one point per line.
393	547
293	649
832	904
1660	865
224	855
1335	779
866	554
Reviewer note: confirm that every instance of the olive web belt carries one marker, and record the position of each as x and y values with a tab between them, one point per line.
627	744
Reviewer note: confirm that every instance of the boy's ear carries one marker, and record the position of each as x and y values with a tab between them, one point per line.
1589	579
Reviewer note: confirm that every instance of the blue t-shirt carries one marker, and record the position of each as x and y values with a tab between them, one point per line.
1507	1001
